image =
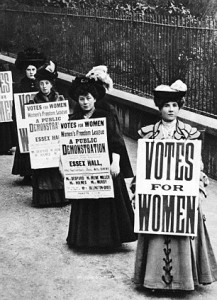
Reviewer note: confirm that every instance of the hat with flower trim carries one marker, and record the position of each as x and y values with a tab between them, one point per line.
170	93
47	72
97	82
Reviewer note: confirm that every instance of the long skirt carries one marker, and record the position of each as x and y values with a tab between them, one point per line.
21	165
105	222
48	188
175	262
7	137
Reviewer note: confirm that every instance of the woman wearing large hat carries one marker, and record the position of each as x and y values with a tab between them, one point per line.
174	262
47	183
99	76
101	222
28	61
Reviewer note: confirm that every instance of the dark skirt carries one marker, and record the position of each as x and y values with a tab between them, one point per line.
43	198
105	222
175	262
7	137
48	188
22	165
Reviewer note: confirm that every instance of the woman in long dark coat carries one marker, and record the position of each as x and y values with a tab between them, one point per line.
101	222
174	262
28	60
48	187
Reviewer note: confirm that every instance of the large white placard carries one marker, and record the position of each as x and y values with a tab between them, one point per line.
85	159
6	96
20	99
167	186
43	132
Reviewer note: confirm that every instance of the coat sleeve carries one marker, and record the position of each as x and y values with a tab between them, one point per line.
117	145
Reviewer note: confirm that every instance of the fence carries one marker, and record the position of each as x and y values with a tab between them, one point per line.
140	51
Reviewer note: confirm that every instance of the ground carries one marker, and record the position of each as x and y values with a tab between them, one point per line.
36	263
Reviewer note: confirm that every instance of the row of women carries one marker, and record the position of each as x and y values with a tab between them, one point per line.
162	262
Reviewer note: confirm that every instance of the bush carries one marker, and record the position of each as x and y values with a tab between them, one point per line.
173	7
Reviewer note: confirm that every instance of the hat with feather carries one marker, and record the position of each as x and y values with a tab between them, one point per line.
47	72
170	93
29	56
97	82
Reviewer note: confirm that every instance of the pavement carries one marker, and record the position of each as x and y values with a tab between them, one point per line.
36	263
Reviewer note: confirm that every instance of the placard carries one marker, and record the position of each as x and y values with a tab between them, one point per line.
20	99
85	159
43	132
167	186
6	96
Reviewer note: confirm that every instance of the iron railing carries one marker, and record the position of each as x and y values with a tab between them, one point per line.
140	51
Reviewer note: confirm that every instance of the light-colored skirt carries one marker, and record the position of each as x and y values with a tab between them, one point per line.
175	262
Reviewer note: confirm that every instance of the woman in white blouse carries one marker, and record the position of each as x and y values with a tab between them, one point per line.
174	262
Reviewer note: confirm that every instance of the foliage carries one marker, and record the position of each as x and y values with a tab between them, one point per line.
172	7
139	54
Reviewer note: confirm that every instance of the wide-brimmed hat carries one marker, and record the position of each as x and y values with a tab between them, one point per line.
169	93
83	83
47	72
96	79
29	56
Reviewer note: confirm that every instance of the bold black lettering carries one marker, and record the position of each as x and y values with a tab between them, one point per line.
156	213
7	83
180	206
64	149
168	213
149	158
159	160
63	125
23	101
189	155
22	108
190	216
144	211
169	153
179	169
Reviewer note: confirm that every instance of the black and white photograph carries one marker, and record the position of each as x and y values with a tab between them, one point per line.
108	149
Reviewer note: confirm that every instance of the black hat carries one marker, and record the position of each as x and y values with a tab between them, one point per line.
29	56
97	81
47	72
88	85
173	93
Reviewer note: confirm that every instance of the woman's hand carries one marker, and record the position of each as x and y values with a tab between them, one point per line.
115	166
61	168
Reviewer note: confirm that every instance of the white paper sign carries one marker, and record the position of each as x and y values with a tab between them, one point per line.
85	159
167	186
43	132
6	96
20	99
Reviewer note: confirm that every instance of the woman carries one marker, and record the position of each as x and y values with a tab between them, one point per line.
100	75
104	222
28	60
174	262
48	188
